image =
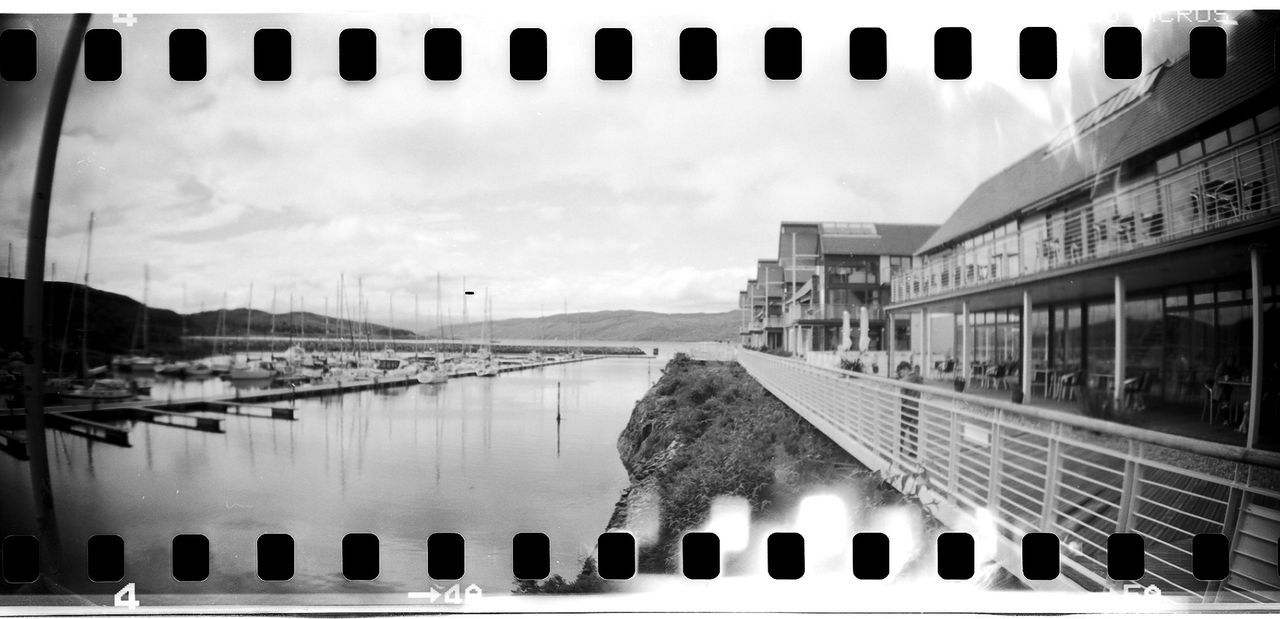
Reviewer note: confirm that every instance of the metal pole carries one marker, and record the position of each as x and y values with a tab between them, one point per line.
964	339
84	320
1255	373
33	299
1117	373
1026	347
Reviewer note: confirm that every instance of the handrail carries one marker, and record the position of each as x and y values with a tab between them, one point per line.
1233	453
1034	470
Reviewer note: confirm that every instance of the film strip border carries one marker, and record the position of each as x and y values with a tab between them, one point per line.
700	556
698	56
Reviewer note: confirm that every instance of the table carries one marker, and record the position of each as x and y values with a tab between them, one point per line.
1238	388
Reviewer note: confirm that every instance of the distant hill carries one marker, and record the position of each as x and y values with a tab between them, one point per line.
615	325
115	323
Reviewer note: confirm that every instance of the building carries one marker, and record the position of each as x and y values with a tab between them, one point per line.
1133	254
823	270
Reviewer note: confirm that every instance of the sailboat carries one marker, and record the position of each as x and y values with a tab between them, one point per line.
249	370
220	363
106	390
436	373
140	363
488	366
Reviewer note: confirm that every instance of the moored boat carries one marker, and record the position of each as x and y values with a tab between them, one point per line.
101	390
254	371
433	376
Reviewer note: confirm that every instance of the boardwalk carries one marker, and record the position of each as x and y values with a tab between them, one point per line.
1037	470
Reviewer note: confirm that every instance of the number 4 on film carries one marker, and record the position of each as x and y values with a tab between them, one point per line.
126	597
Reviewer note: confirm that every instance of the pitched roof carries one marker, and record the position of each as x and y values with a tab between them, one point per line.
1176	103
873	239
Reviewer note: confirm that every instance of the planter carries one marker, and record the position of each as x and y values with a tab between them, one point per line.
959	384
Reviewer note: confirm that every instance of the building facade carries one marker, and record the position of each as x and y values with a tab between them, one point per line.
1132	254
823	271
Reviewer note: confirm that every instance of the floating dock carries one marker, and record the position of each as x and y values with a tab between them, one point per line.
194	413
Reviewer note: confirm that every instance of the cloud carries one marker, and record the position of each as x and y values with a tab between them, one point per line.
652	194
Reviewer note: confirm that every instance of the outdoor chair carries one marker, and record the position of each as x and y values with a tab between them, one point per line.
994	376
1067	384
1208	410
1155	224
949	368
1012	378
1134	392
1255	193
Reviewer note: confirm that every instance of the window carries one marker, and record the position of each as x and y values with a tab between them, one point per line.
1166	164
1215	141
1190	153
1242	130
1269	119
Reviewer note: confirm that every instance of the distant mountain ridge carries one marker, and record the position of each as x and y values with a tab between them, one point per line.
614	325
115	325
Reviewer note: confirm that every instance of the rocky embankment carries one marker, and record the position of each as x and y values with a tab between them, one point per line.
707	429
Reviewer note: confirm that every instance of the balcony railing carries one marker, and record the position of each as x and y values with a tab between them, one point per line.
772	322
1036	470
1231	187
832	311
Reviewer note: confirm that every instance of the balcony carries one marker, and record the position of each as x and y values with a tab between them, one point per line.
760	323
832	311
1226	189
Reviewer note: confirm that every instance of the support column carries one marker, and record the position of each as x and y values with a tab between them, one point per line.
964	339
888	320
1255	373
1117	381
1026	347
926	345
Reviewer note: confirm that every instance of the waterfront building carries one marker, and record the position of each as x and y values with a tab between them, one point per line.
823	270
1132	255
764	307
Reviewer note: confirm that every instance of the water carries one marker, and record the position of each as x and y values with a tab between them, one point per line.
483	457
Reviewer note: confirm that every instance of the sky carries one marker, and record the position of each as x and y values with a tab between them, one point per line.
650	194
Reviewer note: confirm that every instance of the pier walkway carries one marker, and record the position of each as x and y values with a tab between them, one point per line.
94	422
975	461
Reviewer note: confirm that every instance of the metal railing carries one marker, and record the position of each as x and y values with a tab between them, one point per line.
1224	189
770	322
831	311
1038	470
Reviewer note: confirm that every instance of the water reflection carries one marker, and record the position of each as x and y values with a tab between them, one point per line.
352	464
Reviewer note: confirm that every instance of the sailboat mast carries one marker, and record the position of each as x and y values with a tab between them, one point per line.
302	335
466	327
183	319
360	310
146	284
248	323
438	317
84	319
271	339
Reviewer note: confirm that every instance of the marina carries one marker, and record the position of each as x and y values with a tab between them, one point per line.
395	458
86	420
